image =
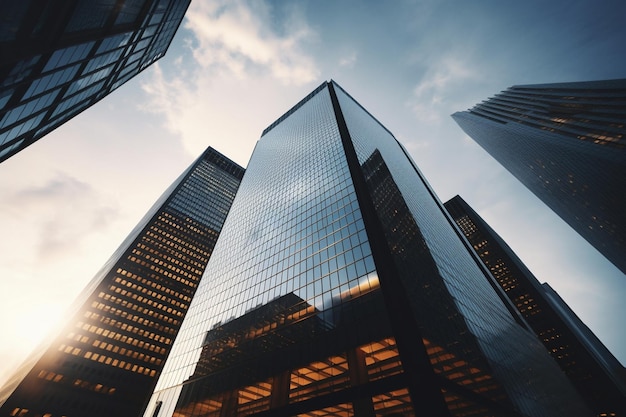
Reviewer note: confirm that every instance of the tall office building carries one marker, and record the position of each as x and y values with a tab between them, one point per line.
106	360
59	58
339	286
593	370
567	143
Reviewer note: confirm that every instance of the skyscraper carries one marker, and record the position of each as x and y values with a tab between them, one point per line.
107	358
567	143
58	59
339	286
593	370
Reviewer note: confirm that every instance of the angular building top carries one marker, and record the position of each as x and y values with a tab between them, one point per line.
339	287
593	370
107	358
57	60
566	142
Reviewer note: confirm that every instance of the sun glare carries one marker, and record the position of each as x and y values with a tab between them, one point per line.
32	326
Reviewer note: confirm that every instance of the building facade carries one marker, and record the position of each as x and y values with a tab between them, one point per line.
593	370
340	287
107	358
58	59
566	142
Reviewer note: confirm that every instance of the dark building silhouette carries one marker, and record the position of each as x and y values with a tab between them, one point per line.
340	286
107	358
593	370
566	142
57	58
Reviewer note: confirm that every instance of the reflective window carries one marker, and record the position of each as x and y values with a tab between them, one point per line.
68	55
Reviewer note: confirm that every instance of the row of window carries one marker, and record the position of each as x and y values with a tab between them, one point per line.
153	281
48	82
133	294
18	130
75	351
120	338
166	245
187	227
108	321
131	353
68	55
58	121
166	261
141	343
28	109
163	236
164	252
109	309
96	387
138	288
192	282
119	364
79	101
140	308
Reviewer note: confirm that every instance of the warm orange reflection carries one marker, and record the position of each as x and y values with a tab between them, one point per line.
338	410
359	366
318	378
364	285
382	358
394	402
460	372
254	398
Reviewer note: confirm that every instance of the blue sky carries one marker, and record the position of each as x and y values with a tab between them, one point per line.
234	67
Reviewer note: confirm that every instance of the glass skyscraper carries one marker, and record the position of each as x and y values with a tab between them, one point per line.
106	360
340	286
59	58
566	142
593	370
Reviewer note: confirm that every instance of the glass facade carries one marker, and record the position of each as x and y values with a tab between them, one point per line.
108	357
340	287
567	143
593	370
58	61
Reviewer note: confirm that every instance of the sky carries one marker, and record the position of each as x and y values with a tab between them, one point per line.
234	67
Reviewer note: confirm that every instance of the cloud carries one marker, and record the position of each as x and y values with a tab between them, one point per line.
62	211
442	81
238	50
240	37
348	61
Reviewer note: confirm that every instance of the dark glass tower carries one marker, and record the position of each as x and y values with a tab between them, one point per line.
593	370
340	287
567	143
106	360
59	58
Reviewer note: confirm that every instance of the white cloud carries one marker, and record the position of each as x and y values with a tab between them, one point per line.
239	36
240	51
64	210
348	61
56	229
442	80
